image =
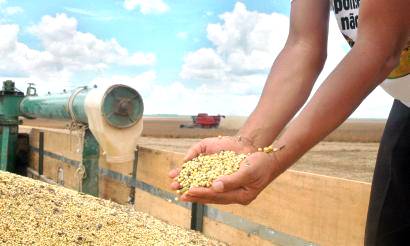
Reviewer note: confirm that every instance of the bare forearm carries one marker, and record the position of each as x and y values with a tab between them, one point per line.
380	39
336	99
287	88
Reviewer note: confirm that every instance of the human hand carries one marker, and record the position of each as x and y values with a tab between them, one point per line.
209	146
243	186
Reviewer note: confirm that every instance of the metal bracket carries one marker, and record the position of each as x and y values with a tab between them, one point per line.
197	217
5	139
134	177
90	157
40	153
31	90
71	101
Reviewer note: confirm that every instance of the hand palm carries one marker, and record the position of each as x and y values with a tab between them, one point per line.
241	187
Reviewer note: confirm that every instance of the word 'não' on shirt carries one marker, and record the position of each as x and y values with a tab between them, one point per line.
349	21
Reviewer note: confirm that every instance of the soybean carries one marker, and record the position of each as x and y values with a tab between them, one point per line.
36	213
204	169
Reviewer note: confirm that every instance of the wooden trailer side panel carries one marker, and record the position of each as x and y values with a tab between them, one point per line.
232	235
55	168
296	208
62	154
110	188
154	166
153	194
58	141
164	209
320	209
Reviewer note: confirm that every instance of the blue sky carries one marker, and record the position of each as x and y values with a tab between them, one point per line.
183	56
160	33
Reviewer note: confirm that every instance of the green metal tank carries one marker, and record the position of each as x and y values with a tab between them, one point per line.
10	98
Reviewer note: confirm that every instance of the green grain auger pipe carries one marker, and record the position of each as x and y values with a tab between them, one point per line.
122	106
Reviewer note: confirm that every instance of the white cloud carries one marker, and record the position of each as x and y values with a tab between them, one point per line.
101	16
65	48
230	73
147	6
79	50
8	11
65	52
203	64
142	82
176	97
13	10
17	57
245	43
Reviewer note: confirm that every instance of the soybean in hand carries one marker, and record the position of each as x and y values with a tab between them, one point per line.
204	169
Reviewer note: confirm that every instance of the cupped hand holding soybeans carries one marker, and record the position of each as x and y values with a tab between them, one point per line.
210	146
246	176
241	187
204	169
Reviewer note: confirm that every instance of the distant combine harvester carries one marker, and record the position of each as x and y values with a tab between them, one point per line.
203	120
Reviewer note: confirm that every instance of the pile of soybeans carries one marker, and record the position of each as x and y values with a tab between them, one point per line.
204	169
36	213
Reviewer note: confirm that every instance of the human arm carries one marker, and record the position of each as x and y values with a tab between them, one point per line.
290	80
293	73
381	37
287	87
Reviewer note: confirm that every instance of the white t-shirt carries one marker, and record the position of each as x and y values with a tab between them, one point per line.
398	82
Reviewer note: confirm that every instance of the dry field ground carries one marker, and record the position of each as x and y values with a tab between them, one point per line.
350	131
349	152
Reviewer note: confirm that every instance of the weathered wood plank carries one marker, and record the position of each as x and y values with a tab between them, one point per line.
113	190
154	165
325	210
50	170
231	235
162	209
322	209
58	141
